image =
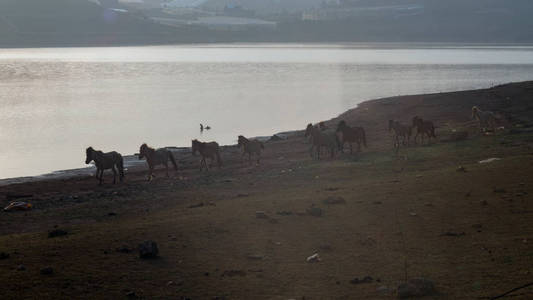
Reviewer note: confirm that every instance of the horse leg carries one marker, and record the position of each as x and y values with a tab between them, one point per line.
150	172
114	174
101	176
166	166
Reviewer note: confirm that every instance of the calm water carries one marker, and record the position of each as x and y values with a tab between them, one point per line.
56	102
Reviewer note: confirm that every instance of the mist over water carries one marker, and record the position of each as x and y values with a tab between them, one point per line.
55	102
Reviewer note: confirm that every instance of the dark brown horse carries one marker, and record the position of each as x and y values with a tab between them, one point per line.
207	150
104	161
400	130
156	157
350	135
250	147
423	128
320	139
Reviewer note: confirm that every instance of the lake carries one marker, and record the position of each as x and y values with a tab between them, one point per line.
57	101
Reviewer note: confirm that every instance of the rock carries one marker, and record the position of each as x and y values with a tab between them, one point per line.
284	213
489	160
366	279
21	268
261	214
416	287
201	204
56	233
499	190
451	233
383	290
315	211
47	271
131	294
123	249
313	258
334	200
483	202
242	195
461	169
148	249
4	255
112	214
255	256
231	273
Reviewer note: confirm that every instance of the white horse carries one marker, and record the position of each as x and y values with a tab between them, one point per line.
486	119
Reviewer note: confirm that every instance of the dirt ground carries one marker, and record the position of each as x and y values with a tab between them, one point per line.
245	231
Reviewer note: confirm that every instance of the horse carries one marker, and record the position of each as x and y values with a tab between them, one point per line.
400	130
250	147
104	161
207	150
423	128
486	119
155	157
347	134
320	138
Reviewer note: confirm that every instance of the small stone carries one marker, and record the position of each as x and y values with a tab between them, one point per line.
499	190
112	214
334	200
255	256
261	214
21	268
131	294
313	258
4	255
123	249
315	211
413	214
366	279
484	202
416	287
461	169
148	249
56	233
47	271
383	290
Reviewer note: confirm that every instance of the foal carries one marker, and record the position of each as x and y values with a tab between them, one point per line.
207	150
400	130
155	157
104	161
486	119
320	138
250	147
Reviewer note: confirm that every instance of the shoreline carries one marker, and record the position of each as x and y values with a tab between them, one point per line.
132	162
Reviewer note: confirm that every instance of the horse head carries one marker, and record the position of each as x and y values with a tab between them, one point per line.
475	111
308	130
142	151
89	155
241	140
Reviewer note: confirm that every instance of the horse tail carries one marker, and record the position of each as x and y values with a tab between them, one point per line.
363	136
120	166
172	160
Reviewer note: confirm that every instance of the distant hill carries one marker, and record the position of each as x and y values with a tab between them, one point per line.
64	22
34	23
